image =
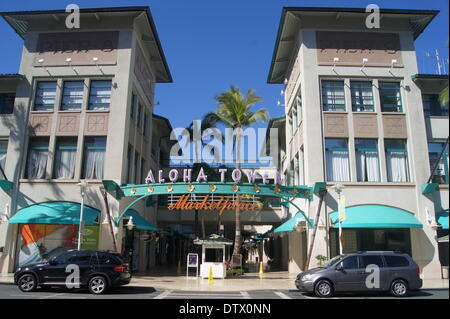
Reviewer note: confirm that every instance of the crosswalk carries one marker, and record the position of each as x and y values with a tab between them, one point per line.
170	294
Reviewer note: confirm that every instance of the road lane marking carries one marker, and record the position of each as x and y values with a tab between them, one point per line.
163	294
282	295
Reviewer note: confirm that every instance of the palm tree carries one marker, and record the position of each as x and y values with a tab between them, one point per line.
209	121
234	111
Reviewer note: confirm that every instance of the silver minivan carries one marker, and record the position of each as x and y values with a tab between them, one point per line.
363	271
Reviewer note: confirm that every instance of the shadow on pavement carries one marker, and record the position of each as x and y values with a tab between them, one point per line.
125	290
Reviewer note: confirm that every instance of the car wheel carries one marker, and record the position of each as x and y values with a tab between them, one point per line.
97	285
323	289
27	283
399	288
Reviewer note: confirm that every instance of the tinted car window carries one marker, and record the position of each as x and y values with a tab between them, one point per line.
396	261
80	259
106	259
371	260
350	263
62	259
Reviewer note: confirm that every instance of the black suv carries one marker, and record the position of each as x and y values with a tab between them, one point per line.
397	273
98	271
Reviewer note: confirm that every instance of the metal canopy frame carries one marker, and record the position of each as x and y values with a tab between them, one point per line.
286	193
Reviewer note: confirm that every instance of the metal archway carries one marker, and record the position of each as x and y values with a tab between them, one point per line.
286	193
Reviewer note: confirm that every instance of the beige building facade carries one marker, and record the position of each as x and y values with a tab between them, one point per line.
356	116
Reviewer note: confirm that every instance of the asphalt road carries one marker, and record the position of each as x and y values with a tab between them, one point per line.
9	291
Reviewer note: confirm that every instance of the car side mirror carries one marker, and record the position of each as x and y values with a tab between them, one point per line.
339	267
52	262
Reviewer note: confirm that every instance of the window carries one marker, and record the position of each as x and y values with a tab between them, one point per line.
3	152
142	170
390	97
139	115
45	96
438	163
298	103
136	169
432	106
350	262
106	259
72	96
145	124
37	158
80	259
396	160
296	170
337	160
65	158
94	157
294	119
362	96
371	260
133	105
367	164
333	98
7	103
100	95
291	124
396	261
63	258
130	166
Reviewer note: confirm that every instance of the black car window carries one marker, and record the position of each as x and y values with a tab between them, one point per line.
371	260
396	261
62	259
104	259
350	262
80	259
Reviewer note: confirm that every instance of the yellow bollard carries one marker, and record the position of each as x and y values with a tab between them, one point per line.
179	268
261	269
210	277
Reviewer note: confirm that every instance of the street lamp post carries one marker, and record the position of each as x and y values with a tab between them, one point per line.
83	186
130	226
338	188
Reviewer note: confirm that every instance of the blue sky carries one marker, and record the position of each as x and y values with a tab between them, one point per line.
211	44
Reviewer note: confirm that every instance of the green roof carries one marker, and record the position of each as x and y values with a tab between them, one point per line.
291	223
442	219
56	213
139	221
376	216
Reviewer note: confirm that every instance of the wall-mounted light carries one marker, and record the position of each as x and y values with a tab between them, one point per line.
95	60
364	61
41	62
393	62
286	81
279	103
335	60
282	92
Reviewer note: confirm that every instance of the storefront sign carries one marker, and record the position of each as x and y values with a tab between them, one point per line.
237	176
184	203
90	237
192	260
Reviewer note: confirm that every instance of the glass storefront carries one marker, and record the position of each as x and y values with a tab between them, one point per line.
371	239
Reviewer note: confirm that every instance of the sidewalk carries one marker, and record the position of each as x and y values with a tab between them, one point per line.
252	281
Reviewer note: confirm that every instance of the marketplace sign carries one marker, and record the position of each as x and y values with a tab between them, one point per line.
184	203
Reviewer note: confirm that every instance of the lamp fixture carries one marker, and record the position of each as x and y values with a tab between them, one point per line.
335	60
130	224
364	61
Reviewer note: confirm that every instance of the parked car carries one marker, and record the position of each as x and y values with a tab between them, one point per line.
98	271
398	274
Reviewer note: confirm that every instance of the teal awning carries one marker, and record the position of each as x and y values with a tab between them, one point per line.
57	213
376	216
139	221
442	219
290	224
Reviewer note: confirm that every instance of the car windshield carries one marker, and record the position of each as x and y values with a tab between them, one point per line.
333	261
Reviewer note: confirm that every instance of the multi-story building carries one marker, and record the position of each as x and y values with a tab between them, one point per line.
81	108
359	114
